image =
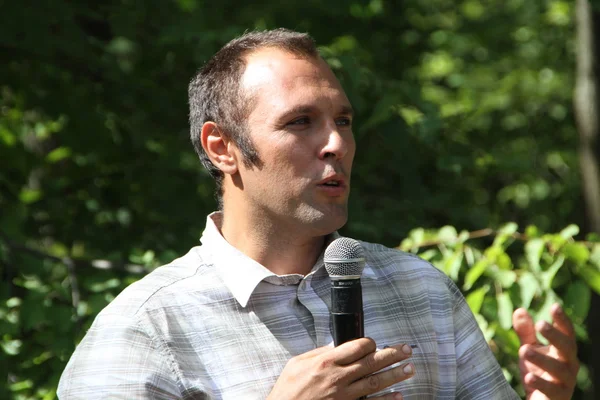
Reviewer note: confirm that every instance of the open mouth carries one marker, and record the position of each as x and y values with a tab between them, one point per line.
331	183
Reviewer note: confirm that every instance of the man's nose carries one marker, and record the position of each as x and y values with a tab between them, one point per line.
337	143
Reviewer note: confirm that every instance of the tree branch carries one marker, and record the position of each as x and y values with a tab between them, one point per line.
484	233
585	101
70	263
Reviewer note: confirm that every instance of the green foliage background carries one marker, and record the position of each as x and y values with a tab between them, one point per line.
464	119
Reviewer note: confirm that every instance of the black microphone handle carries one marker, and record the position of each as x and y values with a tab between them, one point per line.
347	317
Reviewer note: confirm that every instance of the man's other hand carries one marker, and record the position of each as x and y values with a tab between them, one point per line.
346	372
548	372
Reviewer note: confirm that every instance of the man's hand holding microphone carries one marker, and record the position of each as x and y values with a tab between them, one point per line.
354	368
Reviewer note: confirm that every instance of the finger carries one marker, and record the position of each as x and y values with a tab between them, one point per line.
378	360
553	390
314	352
547	364
561	320
523	325
566	346
354	350
388	396
376	382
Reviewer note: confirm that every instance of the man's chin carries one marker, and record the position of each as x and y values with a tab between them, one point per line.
327	221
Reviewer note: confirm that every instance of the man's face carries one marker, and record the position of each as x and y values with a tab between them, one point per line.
301	126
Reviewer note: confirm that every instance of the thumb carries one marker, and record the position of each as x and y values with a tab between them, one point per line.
523	324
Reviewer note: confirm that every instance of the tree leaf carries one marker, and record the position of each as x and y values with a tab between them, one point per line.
411	115
508	229
106	285
58	154
506	278
533	252
417	235
11	347
577	252
475	273
584	381
529	287
488	330
550	273
463	236
30	196
503	261
406	244
504	233
532	231
569	231
578	299
453	263
595	256
505	310
429	254
382	110
543	314
591	276
447	234
475	298
509	340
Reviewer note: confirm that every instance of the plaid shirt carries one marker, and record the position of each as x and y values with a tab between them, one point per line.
214	324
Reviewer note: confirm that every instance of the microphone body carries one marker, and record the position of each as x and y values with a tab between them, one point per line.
344	261
347	318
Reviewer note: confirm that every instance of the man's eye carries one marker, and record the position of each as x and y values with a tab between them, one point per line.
343	121
300	121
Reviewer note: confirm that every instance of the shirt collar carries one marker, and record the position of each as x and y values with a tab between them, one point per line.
240	273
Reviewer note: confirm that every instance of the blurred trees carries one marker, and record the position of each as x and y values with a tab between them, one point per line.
527	269
464	118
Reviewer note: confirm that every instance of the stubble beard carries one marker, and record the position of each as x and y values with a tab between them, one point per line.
323	220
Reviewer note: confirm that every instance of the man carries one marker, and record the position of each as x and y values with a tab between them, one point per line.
245	315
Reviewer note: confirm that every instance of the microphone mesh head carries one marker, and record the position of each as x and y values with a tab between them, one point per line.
344	257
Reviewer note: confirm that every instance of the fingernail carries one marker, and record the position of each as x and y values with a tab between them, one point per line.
545	326
398	396
408	369
406	349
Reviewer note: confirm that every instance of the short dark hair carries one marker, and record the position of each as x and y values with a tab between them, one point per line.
215	93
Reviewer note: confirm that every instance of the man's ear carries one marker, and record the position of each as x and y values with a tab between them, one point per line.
219	148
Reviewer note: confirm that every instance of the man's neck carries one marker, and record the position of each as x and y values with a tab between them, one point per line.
279	249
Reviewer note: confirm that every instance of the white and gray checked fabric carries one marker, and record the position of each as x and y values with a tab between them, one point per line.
215	324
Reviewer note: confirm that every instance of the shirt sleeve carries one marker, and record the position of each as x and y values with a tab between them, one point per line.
479	375
118	359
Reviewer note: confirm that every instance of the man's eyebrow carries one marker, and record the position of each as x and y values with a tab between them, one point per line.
301	109
308	109
347	110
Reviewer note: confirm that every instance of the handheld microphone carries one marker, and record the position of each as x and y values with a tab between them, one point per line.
344	261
